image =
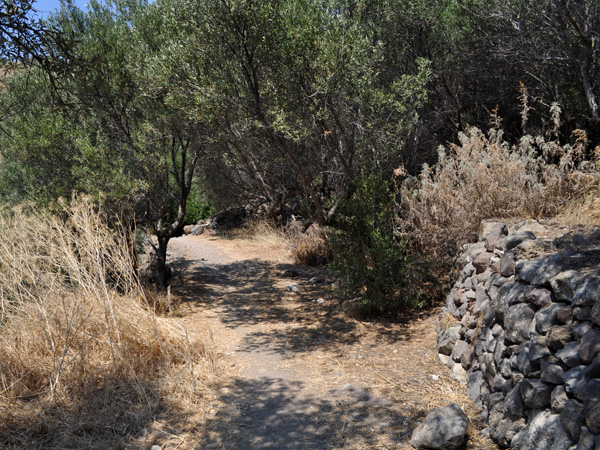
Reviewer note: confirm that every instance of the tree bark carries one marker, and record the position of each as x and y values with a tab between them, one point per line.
161	263
587	83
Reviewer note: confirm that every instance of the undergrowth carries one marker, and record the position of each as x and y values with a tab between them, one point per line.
484	177
369	257
83	362
310	246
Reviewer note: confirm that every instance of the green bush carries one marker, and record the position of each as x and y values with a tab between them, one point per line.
198	207
371	261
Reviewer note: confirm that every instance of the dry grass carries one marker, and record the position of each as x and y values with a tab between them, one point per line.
83	362
310	247
257	237
585	209
485	178
263	234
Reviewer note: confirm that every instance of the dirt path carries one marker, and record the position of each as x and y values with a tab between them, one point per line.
299	374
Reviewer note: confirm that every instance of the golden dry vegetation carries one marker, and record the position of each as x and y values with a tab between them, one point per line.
84	363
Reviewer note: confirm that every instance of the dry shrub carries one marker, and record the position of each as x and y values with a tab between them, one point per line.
82	362
483	178
262	233
310	247
584	209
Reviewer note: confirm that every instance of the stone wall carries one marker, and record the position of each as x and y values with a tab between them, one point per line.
521	328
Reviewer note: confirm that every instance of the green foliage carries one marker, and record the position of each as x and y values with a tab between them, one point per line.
198	207
372	263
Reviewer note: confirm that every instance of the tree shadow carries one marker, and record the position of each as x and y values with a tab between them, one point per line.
252	292
271	413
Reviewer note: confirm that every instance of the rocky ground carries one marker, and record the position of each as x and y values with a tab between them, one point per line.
298	373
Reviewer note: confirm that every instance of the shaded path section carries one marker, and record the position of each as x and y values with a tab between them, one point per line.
300	375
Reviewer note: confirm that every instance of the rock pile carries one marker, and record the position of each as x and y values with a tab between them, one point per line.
521	328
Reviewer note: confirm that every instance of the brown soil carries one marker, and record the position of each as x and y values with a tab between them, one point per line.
298	372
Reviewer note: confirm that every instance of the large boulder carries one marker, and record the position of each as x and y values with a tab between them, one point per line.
544	432
443	429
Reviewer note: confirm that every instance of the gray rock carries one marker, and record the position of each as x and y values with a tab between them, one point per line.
507	264
558	399
533	226
575	382
527	271
541	271
503	428
593	369
290	273
545	317
486	227
581	329
536	394
507	429
482	262
591	394
528	250
495	238
544	432
552	373
505	368
564	285
467	271
459	350
537	352
508	295
583	313
586	440
474	382
469	321
459	374
588	291
514	406
596	313
499	281
539	296
523	362
443	428
499	384
572	419
315	280
292	287
494	399
467	357
499	351
514	239
197	230
517	322
447	339
592	419
589	346
569	354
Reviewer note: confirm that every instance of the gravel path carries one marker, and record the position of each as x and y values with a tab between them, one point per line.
301	375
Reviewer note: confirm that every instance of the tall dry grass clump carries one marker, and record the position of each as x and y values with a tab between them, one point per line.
310	246
82	362
485	177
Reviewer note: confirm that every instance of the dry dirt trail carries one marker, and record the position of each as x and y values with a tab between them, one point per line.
299	374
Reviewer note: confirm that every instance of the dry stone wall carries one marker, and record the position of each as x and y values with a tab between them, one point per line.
521	328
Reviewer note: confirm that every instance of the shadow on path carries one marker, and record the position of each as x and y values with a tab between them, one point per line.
271	413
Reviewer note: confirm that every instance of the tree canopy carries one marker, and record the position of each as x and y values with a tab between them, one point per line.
276	103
